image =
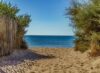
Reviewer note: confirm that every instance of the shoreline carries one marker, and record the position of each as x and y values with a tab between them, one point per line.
49	60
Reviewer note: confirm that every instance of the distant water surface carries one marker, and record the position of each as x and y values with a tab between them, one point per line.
50	41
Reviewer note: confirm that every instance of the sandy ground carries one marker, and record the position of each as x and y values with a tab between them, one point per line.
47	60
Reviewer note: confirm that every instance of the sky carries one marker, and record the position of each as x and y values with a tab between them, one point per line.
48	16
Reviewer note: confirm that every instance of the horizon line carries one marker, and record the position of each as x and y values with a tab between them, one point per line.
48	35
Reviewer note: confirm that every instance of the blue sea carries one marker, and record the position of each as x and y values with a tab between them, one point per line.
49	41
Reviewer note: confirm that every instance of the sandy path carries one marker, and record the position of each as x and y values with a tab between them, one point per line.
46	60
63	62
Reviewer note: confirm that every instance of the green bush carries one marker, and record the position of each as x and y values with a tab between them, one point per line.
85	17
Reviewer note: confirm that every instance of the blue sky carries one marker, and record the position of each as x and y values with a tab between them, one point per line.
48	16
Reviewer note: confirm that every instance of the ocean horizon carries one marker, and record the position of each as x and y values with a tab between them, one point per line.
49	41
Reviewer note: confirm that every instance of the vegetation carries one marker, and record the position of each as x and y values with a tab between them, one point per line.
85	17
22	21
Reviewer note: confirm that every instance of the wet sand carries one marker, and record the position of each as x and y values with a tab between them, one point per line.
49	60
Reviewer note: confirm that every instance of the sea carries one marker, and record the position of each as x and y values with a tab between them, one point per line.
34	41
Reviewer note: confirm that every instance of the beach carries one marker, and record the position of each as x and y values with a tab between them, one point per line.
49	60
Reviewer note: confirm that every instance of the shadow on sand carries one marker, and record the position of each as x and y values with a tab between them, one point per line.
20	56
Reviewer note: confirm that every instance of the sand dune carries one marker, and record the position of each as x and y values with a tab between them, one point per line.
49	60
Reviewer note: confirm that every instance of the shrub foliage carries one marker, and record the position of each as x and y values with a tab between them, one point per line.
9	11
85	17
